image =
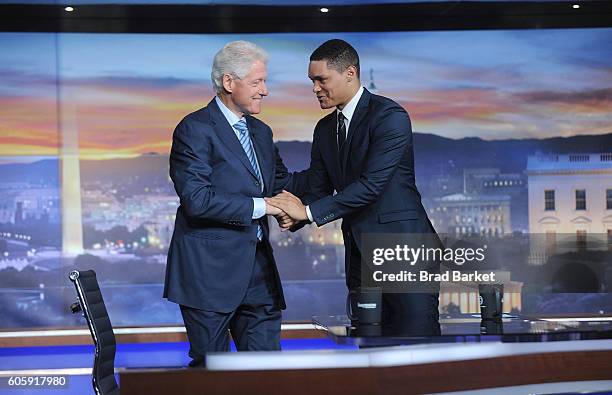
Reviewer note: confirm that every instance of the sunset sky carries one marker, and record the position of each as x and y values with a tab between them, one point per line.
124	93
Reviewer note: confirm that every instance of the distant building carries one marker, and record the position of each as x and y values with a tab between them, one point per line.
465	297
24	204
18	214
463	214
34	205
438	185
491	181
570	204
6	214
570	194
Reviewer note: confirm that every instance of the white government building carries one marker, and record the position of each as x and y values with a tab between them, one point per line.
570	194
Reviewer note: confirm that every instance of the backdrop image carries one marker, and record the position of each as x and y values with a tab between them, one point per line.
500	119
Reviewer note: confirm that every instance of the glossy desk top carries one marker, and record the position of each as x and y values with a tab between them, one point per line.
468	328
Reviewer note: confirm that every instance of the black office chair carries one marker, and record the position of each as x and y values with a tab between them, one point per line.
90	302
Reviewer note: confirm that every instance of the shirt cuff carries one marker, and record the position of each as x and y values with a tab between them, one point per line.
309	214
259	208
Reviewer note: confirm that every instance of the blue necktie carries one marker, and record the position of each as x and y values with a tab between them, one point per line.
247	146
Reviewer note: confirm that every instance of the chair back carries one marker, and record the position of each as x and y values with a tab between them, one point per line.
94	310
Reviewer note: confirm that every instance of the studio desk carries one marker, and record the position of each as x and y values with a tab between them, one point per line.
467	354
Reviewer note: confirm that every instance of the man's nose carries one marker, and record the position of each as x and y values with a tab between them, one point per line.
315	87
264	89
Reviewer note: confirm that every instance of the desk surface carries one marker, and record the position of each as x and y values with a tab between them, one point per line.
469	328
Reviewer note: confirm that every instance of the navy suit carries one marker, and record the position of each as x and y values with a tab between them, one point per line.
374	178
212	256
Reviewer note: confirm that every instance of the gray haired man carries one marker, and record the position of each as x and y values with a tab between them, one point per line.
223	162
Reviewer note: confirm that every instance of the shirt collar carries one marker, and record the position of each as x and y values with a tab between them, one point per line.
229	115
351	106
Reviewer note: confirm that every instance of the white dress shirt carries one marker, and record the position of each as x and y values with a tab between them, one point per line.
348	111
259	204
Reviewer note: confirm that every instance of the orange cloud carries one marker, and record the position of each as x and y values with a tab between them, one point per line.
28	126
131	116
141	119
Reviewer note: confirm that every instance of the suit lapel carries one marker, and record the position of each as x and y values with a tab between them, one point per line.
228	136
358	116
264	151
329	149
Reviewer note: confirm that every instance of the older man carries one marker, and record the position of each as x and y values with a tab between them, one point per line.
223	162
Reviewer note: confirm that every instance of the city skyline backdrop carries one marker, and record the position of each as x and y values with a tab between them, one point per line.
481	103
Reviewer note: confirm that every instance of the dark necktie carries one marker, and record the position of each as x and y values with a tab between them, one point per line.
341	130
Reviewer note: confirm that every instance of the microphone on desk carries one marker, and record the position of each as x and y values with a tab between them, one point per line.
363	305
491	300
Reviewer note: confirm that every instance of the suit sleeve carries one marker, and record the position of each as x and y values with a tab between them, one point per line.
318	181
313	183
389	140
190	170
282	177
308	185
296	183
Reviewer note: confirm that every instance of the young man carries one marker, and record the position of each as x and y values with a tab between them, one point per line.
362	150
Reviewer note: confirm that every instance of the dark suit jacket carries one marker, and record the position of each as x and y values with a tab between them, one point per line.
212	252
373	175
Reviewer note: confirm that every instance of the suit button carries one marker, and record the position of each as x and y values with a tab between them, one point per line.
257	183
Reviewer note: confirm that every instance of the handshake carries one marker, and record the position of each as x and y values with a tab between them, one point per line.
287	209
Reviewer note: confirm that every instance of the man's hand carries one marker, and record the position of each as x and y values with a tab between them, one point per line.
290	204
285	222
273	210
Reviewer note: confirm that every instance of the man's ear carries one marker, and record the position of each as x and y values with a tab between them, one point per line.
351	73
228	83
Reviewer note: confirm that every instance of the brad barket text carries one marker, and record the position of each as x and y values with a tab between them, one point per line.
425	276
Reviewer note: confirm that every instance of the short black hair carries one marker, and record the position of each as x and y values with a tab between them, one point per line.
339	55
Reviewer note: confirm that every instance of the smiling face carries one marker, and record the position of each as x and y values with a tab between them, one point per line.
332	88
245	94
